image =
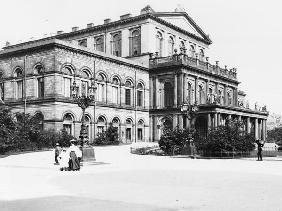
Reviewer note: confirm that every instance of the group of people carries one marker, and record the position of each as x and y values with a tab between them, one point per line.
68	159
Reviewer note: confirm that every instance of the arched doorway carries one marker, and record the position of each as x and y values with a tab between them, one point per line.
201	126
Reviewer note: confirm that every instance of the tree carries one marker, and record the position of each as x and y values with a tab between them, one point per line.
275	135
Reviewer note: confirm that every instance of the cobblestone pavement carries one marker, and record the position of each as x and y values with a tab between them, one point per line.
119	180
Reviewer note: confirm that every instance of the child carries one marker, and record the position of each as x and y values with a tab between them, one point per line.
64	160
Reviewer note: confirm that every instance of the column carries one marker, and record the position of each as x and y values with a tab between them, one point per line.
225	95
157	93
180	121
175	121
207	91
248	125
215	120
264	130
185	88
209	121
188	123
239	118
180	89
218	119
175	90
256	129
196	90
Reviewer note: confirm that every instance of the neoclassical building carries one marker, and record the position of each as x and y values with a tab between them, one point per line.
145	67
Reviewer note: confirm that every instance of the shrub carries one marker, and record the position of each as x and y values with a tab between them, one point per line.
174	141
225	139
108	137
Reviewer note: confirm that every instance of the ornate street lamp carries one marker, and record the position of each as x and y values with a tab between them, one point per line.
189	109
84	101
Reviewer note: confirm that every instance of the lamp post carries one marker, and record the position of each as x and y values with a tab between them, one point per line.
189	110
84	101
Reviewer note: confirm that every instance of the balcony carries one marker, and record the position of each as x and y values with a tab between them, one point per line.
183	59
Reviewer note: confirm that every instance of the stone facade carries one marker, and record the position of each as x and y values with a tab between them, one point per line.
146	68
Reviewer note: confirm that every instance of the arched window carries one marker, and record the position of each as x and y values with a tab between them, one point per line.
67	70
116	124
116	44
99	43
128	132
140	94
201	55
192	51
168	94
115	90
128	91
101	90
201	95
19	83
68	123
182	47
140	130
85	76
221	97
38	70
190	94
159	43
135	43
101	124
170	46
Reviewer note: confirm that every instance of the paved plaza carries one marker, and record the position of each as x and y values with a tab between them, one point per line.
119	180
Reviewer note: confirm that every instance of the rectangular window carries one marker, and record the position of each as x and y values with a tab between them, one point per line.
67	87
139	98
127	97
40	87
19	91
82	42
140	134
2	91
128	134
67	127
115	94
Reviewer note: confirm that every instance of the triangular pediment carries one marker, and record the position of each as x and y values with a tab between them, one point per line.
183	21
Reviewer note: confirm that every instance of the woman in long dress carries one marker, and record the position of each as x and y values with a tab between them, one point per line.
74	153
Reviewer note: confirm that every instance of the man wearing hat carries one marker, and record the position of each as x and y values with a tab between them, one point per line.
57	153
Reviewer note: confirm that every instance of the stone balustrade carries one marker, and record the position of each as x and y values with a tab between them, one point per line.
184	59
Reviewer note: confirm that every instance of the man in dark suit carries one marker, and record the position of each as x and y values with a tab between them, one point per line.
260	145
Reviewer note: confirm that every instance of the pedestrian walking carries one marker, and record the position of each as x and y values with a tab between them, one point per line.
58	150
260	145
193	148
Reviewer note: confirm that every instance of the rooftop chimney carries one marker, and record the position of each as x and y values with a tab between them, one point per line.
7	43
108	20
75	28
122	17
89	25
59	32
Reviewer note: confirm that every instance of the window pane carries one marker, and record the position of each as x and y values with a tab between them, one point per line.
2	91
40	87
140	133
128	133
82	42
19	89
115	94
127	96
67	84
67	127
139	98
99	44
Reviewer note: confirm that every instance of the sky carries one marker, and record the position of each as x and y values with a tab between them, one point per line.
246	34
